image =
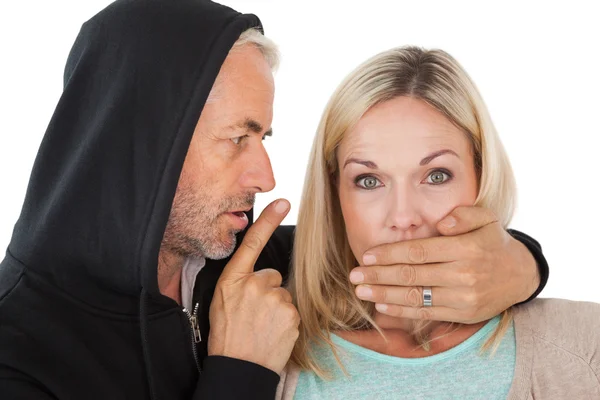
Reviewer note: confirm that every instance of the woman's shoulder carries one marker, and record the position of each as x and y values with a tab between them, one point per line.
288	382
572	325
559	316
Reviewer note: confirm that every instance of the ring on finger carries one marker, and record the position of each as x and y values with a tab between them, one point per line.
427	300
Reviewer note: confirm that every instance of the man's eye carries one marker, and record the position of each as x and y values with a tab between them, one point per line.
367	182
238	140
438	177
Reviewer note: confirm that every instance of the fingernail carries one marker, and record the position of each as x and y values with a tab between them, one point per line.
364	292
381	307
449	222
356	277
281	206
369	259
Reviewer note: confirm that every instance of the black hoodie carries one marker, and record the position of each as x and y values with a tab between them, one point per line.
81	316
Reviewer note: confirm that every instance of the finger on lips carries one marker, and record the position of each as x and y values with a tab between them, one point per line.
256	237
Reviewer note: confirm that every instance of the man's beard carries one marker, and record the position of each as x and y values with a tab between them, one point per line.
194	227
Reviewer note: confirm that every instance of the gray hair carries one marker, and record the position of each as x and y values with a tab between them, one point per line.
253	37
266	46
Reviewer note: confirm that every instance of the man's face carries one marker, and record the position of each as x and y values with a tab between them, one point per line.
226	164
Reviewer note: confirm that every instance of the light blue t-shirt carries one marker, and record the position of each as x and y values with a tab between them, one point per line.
459	373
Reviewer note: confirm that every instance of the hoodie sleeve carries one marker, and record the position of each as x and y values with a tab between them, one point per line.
15	385
225	378
536	251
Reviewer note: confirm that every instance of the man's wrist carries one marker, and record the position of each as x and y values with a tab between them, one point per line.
530	270
229	378
535	250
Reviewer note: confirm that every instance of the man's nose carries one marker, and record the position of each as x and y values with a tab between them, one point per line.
259	173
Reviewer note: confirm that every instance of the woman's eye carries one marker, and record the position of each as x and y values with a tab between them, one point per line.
438	177
368	182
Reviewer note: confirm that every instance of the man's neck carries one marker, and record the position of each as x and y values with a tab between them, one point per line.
170	267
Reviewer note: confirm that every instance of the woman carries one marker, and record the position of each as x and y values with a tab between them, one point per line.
404	140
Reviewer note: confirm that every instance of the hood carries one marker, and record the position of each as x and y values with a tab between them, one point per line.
102	185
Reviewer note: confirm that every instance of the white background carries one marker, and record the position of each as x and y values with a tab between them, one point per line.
536	64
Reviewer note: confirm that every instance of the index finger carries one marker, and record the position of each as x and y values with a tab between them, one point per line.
439	275
418	251
256	237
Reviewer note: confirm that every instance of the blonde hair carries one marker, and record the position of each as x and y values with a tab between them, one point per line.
322	257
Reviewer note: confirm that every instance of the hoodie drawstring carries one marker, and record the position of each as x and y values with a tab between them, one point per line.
146	351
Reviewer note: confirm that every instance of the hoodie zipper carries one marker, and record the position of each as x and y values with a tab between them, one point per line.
195	332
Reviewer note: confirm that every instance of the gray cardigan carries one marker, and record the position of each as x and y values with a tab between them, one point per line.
558	353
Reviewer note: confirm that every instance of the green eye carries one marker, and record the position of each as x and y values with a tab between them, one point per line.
438	177
367	182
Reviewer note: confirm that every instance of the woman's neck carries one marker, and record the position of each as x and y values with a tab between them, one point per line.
402	340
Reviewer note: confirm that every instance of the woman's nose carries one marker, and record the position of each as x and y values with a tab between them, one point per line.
404	212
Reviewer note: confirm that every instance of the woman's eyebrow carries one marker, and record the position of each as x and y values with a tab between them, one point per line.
366	163
436	154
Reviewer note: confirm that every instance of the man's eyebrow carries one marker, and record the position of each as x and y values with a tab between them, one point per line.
436	154
366	163
254	126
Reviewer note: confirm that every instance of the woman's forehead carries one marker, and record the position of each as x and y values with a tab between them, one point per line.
402	125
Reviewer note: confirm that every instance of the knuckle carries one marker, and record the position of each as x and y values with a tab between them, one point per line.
274	275
273	297
413	297
470	298
425	313
378	294
290	313
285	295
253	285
407	274
396	311
417	253
374	276
381	295
468	279
295	334
371	275
253	241
473	249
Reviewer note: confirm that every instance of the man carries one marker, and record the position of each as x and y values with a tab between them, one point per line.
148	169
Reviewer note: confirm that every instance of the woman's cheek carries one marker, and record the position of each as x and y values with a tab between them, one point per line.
362	214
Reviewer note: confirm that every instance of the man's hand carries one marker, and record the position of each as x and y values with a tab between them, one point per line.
476	270
251	316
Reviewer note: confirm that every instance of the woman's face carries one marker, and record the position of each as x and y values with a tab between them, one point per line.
403	168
